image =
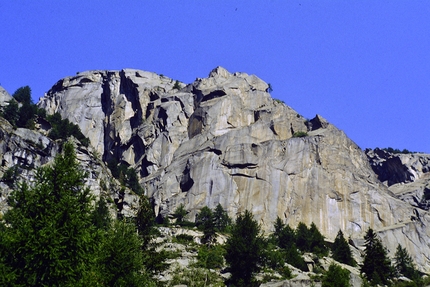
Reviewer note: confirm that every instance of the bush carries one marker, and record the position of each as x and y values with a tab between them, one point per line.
10	175
336	276
300	134
211	257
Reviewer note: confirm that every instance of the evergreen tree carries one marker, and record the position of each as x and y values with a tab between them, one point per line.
404	265
336	276
121	259
279	227
50	233
205	222
23	95
317	244
10	112
376	265
303	237
53	235
180	213
244	248
101	216
145	220
341	250
221	218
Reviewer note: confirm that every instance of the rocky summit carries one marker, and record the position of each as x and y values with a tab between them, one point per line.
224	139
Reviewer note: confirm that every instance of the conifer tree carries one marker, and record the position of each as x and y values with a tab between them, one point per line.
341	250
404	265
244	250
205	222
303	237
221	218
376	265
50	232
317	244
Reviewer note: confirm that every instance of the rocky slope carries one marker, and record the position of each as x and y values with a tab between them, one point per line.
223	139
407	175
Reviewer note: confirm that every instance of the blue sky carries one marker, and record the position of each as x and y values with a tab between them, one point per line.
363	65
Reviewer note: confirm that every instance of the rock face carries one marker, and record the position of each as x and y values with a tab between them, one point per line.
4	97
223	139
407	175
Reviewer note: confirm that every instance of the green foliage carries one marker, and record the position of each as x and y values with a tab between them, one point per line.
376	265
183	239
273	257
195	277
341	250
205	221
300	134
54	236
126	175
22	116
317	244
211	257
221	218
391	150
404	265
177	86
145	220
51	237
244	250
101	216
121	258
336	276
10	112
23	95
293	257
63	129
10	176
286	238
180	213
303	237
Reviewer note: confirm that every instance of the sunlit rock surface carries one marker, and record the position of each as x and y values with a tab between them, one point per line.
223	139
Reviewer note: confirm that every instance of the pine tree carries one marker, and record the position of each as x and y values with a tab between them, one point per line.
376	265
303	237
404	265
341	250
121	259
51	239
205	222
244	249
221	218
180	213
317	244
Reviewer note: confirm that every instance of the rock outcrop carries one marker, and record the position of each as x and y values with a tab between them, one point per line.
223	139
4	97
407	175
22	151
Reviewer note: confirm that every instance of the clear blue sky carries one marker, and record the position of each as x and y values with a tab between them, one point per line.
363	65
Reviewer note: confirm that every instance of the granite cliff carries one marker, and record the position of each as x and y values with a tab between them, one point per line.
223	139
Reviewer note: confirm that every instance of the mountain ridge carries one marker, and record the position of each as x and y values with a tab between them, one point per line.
223	139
